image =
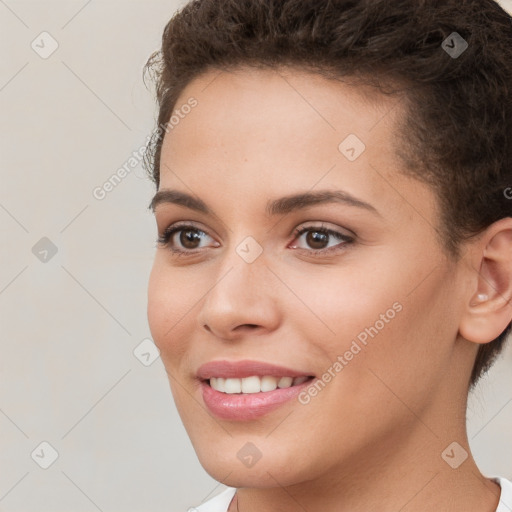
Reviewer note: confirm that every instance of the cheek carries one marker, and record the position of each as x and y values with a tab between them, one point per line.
380	320
406	348
170	306
346	304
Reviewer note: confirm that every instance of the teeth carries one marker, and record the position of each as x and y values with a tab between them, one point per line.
284	382
233	386
268	384
254	384
250	385
218	383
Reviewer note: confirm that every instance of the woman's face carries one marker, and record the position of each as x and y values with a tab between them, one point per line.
364	301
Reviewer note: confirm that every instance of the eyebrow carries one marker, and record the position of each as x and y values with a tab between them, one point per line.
281	206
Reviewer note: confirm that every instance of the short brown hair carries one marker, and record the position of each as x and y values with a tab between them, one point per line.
457	132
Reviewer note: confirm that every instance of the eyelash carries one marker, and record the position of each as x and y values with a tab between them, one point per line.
167	235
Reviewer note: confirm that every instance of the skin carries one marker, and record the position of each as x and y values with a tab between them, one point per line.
372	439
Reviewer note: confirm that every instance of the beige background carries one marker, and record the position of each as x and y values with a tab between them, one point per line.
70	325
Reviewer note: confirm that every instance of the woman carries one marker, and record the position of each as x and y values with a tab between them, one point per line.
334	268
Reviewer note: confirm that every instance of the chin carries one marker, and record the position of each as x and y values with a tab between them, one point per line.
238	463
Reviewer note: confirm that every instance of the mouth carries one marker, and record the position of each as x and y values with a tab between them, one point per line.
255	384
248	390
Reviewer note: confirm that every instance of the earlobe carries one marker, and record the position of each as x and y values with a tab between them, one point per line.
489	309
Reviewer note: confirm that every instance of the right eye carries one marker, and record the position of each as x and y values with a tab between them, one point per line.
182	238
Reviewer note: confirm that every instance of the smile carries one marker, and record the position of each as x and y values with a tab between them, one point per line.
246	390
254	384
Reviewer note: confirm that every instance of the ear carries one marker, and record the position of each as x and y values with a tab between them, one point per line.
489	303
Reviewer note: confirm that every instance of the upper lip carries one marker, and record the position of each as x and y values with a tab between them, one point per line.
246	368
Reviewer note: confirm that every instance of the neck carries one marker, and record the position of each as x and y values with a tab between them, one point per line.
411	484
412	467
401	471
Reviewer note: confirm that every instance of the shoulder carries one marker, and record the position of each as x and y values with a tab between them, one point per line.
505	504
219	503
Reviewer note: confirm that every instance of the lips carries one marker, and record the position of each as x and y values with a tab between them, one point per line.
246	390
242	369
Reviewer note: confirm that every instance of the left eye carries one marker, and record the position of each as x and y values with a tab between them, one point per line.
318	237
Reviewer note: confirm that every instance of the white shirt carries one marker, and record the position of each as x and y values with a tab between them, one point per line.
220	503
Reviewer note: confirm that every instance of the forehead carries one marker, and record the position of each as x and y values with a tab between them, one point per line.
264	101
257	132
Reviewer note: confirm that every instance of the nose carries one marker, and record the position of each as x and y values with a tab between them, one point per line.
240	300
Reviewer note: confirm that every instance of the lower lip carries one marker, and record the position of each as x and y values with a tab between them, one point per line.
244	407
